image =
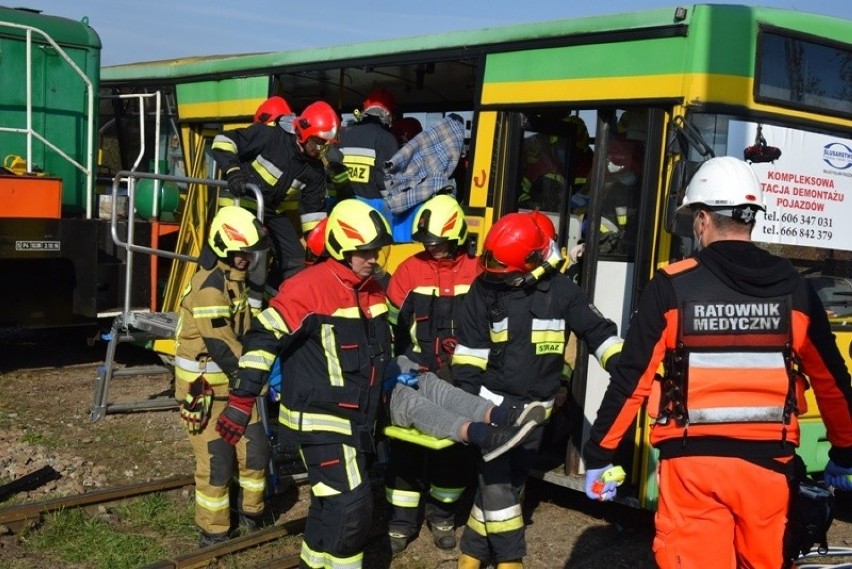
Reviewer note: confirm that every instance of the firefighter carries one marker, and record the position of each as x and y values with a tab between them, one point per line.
424	295
513	328
734	328
214	316
272	110
329	326
288	169
367	145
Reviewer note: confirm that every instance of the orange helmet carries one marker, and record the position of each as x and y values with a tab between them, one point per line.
318	119
315	242
271	109
405	129
513	247
380	103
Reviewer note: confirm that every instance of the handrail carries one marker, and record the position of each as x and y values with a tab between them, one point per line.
129	245
87	170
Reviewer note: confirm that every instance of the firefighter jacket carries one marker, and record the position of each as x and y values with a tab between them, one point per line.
332	333
733	329
213	316
424	296
366	146
512	340
269	156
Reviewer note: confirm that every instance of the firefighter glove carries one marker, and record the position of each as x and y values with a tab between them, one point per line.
195	409
236	181
838	476
234	419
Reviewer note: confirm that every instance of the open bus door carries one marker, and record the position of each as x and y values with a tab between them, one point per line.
608	209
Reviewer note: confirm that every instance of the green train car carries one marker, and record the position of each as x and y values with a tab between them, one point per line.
59	264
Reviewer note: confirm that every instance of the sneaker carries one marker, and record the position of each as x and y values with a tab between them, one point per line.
209	539
534	412
444	534
500	439
398	542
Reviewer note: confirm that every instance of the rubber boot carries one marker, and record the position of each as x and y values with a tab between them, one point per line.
516	564
468	562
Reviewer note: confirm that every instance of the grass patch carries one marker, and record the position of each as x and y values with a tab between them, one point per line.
130	538
40	439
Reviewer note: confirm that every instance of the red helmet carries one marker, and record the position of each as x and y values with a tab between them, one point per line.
315	242
405	129
515	244
271	109
318	119
545	224
380	102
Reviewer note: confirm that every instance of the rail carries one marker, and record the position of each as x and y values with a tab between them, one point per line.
30	132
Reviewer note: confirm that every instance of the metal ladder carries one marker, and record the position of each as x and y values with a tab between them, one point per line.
132	327
141	325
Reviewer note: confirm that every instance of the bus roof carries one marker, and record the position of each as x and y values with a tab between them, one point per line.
472	41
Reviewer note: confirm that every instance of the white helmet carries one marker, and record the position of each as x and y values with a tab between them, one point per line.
727	186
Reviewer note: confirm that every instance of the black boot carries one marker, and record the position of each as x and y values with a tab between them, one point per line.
208	539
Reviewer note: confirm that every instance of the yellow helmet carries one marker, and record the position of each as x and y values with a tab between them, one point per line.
440	219
234	230
353	225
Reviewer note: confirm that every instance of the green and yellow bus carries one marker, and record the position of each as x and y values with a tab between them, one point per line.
597	122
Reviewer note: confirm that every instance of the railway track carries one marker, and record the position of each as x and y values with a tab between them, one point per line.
17	518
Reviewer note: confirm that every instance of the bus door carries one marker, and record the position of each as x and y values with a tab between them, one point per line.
595	173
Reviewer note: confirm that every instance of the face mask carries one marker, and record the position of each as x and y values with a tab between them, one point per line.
612	167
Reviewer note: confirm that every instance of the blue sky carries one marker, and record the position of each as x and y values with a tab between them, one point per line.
147	30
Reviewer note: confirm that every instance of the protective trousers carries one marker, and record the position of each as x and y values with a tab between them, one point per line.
719	512
436	407
341	510
413	471
217	463
495	527
287	251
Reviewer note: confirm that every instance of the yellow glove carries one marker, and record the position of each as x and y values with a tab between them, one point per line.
195	409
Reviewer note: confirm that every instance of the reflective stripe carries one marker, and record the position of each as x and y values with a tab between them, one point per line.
352	562
213	378
212	503
426	290
272	321
211	312
313	422
329	345
311	220
509	513
353	473
402	498
222	142
445	495
321	489
253	484
312	558
737	360
499	331
359	154
461	289
548	331
351	312
736	415
471	356
608	348
486	393
505	520
378	309
393	314
196	366
267	170
257	359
